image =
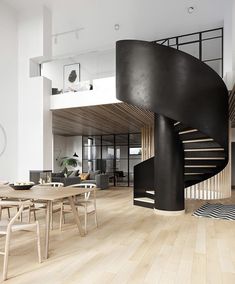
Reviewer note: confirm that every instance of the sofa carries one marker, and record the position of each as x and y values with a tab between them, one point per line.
67	180
101	180
72	177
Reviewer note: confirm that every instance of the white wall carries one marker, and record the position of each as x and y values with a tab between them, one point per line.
65	147
35	131
229	44
9	91
228	37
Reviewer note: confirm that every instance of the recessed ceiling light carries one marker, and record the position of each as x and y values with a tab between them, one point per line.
116	27
191	9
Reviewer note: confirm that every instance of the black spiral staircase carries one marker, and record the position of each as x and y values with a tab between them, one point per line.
190	102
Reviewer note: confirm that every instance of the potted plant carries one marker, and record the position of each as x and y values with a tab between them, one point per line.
68	162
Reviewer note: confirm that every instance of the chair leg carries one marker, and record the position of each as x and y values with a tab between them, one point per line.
17	209
8	212
51	216
0	212
6	255
29	216
96	221
95	212
85	216
34	214
38	242
61	215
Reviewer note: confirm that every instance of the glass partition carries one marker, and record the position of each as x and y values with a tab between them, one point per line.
114	155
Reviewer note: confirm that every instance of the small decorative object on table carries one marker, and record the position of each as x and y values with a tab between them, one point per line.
21	185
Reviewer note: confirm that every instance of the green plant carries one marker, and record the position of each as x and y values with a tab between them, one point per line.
66	162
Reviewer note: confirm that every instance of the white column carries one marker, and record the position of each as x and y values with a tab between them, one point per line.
229	44
35	119
8	93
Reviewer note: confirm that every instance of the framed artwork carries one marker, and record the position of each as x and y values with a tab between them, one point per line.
71	77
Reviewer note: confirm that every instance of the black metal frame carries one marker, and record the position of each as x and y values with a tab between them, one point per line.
114	145
166	41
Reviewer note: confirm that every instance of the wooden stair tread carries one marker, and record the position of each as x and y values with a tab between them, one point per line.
150	192
144	199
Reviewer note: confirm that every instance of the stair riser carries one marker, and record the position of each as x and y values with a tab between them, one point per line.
191	178
180	127
204	162
202	145
199	170
144	204
193	135
204	154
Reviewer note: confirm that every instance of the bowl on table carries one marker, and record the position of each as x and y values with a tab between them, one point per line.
21	185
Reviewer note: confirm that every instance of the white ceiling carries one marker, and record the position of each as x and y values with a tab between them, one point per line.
138	19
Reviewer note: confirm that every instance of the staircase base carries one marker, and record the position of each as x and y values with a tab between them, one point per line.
144	202
169	213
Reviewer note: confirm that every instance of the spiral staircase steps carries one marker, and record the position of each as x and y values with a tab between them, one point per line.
201	145
190	101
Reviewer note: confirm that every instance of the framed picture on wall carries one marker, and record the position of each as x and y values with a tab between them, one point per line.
71	77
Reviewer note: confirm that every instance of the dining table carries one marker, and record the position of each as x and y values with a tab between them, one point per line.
48	195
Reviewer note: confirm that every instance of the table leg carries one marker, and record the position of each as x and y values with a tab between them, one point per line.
47	231
76	217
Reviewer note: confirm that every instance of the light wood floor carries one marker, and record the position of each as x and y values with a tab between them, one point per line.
131	245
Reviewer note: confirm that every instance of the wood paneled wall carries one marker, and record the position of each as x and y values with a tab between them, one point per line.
101	119
147	142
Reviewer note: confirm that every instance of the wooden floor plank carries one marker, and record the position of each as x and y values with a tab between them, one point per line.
131	245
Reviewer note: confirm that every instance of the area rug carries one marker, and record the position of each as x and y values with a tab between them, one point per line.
217	211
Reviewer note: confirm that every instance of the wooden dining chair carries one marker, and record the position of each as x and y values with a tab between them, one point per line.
42	206
53	184
87	201
4	183
7	227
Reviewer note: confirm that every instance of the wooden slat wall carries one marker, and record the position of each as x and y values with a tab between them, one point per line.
216	187
101	119
147	141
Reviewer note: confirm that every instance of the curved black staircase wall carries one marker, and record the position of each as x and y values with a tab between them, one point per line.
191	103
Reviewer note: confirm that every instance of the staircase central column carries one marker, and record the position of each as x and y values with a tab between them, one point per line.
169	168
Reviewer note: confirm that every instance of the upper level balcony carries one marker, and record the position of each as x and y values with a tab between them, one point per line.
103	92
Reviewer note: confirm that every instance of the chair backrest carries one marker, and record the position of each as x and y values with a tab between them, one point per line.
85	185
20	204
53	184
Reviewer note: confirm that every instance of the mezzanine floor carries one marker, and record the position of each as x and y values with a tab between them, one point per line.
131	245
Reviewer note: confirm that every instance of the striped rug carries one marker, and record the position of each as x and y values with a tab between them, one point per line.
217	211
